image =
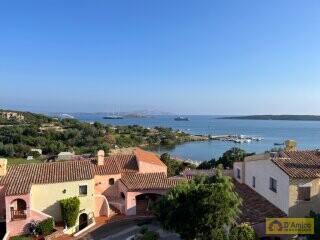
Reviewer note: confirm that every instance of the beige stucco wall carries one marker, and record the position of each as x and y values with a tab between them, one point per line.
302	208
263	170
46	197
103	187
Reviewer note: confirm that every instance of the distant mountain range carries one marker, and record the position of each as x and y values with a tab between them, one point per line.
277	117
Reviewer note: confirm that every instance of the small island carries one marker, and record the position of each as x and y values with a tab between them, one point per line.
277	117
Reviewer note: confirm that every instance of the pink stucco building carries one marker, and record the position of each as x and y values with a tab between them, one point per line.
127	182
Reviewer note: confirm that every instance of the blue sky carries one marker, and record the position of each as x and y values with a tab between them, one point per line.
181	56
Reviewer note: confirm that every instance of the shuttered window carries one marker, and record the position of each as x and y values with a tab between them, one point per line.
238	173
273	184
304	193
253	181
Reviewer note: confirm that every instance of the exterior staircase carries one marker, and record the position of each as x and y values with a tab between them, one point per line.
113	211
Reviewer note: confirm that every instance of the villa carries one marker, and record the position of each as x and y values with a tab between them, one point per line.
272	185
289	179
126	182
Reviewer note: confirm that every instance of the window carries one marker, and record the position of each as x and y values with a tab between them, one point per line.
253	181
83	190
304	193
111	181
238	173
273	185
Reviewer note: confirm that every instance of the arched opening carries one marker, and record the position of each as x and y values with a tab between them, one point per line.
143	202
122	196
83	221
18	209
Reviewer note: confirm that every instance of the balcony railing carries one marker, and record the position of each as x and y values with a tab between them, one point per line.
18	214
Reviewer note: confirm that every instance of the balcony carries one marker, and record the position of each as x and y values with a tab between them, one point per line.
18	215
18	209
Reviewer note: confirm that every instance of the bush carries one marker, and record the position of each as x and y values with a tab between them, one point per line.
70	208
242	232
143	229
45	226
150	235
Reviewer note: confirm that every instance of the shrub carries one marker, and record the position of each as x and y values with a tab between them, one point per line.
150	235
70	210
242	232
45	226
144	229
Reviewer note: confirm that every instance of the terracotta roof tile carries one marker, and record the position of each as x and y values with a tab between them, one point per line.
126	163
147	157
120	163
143	181
255	208
109	167
300	164
19	178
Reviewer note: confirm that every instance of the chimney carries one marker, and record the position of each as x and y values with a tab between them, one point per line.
100	157
3	166
290	145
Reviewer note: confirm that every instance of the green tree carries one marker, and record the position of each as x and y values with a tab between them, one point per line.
199	209
207	164
231	156
174	167
316	217
70	208
242	232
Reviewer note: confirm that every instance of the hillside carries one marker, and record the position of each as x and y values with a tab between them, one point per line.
22	131
10	117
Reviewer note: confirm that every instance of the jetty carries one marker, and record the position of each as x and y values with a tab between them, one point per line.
235	138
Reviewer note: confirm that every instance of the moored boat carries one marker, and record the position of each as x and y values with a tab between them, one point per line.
181	119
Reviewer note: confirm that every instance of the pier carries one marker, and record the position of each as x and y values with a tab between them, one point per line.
235	138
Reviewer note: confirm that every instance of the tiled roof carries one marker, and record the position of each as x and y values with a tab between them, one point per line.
144	181
147	157
121	163
300	164
255	208
19	178
125	162
109	167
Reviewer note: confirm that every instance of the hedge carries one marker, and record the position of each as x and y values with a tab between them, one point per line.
45	226
70	208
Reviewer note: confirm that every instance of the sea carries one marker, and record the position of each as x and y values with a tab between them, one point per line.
305	133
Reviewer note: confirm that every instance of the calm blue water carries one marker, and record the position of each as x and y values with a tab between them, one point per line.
306	133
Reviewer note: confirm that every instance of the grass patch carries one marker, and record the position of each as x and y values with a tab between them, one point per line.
23	237
16	161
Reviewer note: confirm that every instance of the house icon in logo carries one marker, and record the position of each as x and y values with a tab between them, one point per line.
275	226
